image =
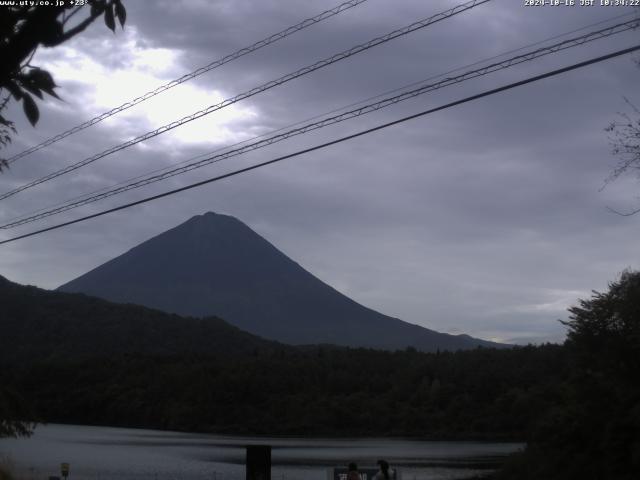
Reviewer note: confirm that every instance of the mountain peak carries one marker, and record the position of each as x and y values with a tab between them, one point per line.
209	216
213	220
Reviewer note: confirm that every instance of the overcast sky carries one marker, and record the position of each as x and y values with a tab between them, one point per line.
487	218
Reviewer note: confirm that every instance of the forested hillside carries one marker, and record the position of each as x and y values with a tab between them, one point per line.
591	430
576	405
38	324
321	391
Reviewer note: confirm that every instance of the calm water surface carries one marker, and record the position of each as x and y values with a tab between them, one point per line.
101	453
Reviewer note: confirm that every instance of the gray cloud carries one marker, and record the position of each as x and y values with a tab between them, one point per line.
486	218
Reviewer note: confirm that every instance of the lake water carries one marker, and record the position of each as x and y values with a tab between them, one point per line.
101	453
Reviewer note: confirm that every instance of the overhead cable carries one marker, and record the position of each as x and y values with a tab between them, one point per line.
254	91
371	107
189	76
333	142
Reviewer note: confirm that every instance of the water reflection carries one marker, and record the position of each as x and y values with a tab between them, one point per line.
102	453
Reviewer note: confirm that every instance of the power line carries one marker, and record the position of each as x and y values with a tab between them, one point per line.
254	91
71	202
300	122
189	76
334	142
86	199
372	107
308	119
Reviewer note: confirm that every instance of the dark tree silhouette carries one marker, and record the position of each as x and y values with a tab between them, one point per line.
23	29
624	137
16	410
13	412
604	331
591	430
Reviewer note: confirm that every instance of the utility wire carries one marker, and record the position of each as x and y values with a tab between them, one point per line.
189	76
254	91
336	141
314	117
101	194
372	107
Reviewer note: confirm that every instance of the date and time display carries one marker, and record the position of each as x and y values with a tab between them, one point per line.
582	3
526	3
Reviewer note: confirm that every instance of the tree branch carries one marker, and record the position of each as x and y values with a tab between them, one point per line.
76	10
622	214
78	28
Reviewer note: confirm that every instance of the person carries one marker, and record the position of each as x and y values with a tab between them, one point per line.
353	474
384	472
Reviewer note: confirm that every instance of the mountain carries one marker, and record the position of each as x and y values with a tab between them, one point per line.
216	265
40	324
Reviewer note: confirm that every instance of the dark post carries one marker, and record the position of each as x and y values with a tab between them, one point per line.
259	462
64	470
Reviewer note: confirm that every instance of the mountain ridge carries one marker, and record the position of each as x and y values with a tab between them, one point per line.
38	324
214	264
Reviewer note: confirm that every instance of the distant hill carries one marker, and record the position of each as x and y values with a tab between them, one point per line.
215	265
41	324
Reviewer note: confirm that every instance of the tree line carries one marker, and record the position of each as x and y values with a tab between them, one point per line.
484	393
576	405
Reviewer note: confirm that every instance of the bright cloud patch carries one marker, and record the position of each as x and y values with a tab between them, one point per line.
93	85
553	302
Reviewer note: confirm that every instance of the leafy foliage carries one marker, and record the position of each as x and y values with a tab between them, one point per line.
605	330
23	28
6	130
15	409
321	391
576	405
86	360
594	431
37	325
624	138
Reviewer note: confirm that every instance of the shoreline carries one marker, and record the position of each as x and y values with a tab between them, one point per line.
399	437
